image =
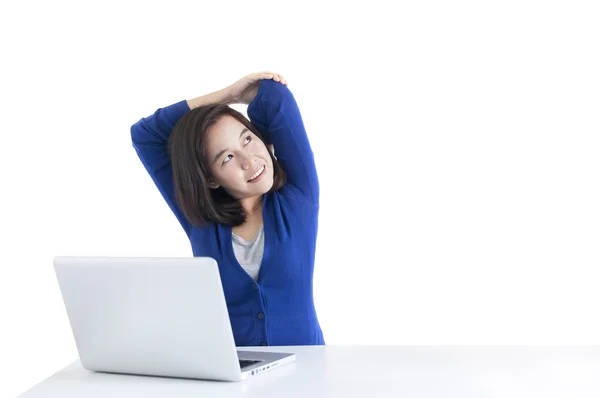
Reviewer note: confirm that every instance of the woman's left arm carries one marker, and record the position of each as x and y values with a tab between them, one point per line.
275	113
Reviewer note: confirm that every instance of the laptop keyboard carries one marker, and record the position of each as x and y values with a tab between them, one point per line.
244	363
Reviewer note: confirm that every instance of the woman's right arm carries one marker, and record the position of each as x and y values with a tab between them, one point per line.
150	137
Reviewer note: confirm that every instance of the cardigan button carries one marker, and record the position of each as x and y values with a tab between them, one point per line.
263	343
255	286
261	316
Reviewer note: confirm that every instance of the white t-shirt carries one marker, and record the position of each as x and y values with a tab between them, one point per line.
249	253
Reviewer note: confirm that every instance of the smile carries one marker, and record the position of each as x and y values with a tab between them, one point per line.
257	175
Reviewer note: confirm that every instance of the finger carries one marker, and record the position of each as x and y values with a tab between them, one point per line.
256	77
282	79
275	76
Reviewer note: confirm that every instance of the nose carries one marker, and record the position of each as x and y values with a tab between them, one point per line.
246	161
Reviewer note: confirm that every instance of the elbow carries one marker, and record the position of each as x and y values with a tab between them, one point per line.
136	132
277	89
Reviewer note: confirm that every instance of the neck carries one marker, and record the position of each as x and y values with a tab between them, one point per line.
252	205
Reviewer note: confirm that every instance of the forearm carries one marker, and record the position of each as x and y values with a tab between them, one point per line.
156	128
218	97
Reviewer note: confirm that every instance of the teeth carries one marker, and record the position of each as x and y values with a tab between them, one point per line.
257	173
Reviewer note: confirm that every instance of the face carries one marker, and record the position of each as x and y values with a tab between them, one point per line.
235	157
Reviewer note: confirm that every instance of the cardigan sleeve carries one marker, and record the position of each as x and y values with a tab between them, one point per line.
275	113
150	137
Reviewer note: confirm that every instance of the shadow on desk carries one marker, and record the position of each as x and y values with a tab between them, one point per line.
138	384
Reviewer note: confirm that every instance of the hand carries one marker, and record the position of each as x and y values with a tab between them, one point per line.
245	89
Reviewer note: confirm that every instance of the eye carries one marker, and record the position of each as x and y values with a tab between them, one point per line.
247	140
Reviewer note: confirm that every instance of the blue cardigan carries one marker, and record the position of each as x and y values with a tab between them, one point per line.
278	309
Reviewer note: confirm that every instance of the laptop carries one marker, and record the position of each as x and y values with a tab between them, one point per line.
156	317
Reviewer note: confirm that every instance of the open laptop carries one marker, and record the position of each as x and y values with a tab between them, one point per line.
155	316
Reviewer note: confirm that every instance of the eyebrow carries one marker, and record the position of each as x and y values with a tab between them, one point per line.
226	149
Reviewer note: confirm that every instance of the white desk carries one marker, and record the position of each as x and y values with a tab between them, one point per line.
369	371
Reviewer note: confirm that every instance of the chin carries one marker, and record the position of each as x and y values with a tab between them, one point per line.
270	185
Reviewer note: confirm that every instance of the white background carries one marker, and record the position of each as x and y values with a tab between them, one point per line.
456	143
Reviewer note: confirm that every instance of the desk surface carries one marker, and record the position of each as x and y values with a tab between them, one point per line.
369	371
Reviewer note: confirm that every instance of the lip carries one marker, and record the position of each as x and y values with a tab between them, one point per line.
260	176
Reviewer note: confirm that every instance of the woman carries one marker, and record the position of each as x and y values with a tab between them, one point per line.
254	213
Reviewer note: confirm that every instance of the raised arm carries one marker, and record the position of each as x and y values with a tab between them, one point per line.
150	137
275	113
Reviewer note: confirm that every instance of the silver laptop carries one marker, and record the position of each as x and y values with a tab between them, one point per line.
155	316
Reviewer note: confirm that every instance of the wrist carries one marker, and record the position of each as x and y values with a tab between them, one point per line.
218	97
224	96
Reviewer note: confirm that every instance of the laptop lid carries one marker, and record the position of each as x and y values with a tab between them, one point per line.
153	316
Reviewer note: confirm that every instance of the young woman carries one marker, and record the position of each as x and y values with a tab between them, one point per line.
254	213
